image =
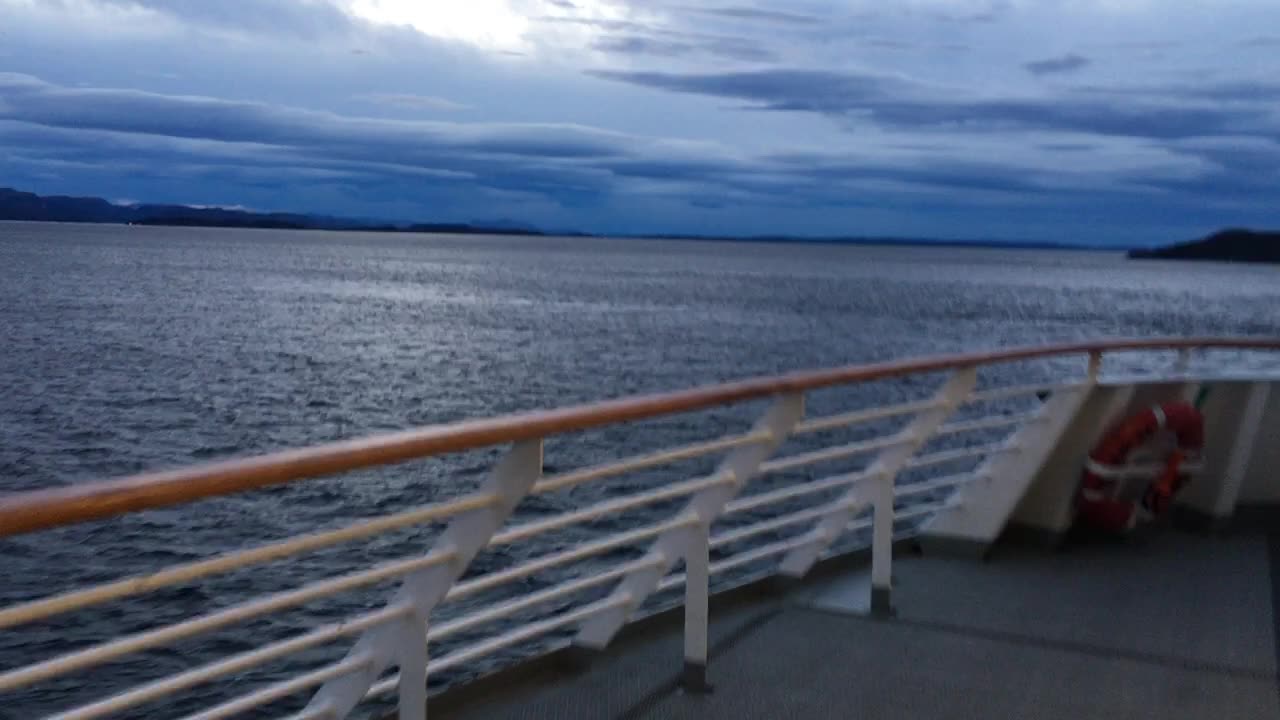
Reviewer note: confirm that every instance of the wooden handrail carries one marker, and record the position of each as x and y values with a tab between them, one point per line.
42	509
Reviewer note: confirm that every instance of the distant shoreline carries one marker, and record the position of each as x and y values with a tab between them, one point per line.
28	207
764	240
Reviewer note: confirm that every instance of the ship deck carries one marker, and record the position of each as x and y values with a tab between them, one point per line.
1171	626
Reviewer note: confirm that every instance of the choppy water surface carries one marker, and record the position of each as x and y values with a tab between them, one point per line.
123	349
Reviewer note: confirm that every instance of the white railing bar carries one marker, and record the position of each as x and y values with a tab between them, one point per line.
862	523
500	610
925	509
532	630
670	581
987	423
897	535
901	491
99	654
785	410
640	462
960	454
284	689
324	712
611	507
1000	393
742	533
494	579
859	524
829	422
233	664
37	609
677	579
764	551
834	453
386	685
494	644
751	502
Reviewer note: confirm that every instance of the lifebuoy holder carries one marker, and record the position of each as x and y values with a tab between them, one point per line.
1099	503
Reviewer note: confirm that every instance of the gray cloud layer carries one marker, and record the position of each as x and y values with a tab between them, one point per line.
760	15
683	45
569	163
1050	66
898	103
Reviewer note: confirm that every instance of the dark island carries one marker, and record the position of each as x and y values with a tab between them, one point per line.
1247	246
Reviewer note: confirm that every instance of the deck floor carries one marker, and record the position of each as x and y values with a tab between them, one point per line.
1173	626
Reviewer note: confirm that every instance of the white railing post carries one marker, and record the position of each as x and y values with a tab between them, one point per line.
413	668
882	545
983	508
697	589
881	475
1241	450
1183	363
738	467
465	536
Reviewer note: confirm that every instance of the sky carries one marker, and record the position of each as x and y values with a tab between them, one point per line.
1093	121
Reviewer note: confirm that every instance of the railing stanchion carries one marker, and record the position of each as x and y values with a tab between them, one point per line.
697	589
1183	363
466	536
882	473
882	545
739	467
1241	451
413	668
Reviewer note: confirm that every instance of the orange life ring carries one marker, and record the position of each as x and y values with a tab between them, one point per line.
1096	504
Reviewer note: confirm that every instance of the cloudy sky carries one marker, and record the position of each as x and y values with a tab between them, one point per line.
1123	121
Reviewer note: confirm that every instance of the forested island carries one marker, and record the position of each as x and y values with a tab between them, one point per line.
1249	246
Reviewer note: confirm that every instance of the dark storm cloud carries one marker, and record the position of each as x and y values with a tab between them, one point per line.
990	14
1251	158
758	15
897	103
1239	91
1057	65
939	173
607	24
681	45
1232	91
1262	41
130	111
779	89
193	136
252	142
46	128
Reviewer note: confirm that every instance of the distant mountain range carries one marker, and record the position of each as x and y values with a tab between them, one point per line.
17	205
1229	245
1237	245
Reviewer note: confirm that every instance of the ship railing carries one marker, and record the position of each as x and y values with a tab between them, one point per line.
756	513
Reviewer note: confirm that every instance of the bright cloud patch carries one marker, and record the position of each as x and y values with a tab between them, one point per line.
488	23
